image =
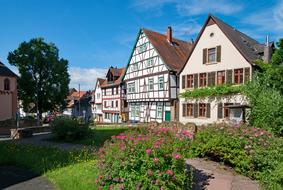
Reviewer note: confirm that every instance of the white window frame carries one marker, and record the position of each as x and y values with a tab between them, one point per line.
142	48
135	66
215	55
159	112
149	62
161	83
150	80
131	88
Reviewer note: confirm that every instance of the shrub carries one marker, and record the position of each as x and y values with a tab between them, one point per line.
145	158
67	129
251	151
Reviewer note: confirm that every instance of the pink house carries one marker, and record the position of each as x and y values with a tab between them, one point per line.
8	93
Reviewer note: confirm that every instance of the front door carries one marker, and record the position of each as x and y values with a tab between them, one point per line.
167	116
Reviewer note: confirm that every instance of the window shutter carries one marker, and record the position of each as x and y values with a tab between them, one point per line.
229	76
247	74
184	110
195	110
220	110
204	56
183	81
213	78
195	80
218	53
208	110
208	79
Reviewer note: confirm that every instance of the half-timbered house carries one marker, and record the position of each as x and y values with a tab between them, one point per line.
150	77
97	101
221	55
112	96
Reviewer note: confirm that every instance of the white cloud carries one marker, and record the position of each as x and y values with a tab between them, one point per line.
186	29
86	77
191	7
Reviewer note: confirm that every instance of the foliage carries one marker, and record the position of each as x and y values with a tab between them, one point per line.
67	170
214	91
145	158
253	152
44	78
67	129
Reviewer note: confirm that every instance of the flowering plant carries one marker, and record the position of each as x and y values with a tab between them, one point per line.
145	158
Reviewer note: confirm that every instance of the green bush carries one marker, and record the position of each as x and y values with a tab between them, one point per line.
145	158
67	129
253	152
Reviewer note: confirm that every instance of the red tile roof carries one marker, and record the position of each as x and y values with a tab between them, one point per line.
119	72
173	54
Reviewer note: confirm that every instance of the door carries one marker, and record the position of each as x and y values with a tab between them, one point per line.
167	116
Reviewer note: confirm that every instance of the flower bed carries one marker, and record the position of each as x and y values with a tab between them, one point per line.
145	158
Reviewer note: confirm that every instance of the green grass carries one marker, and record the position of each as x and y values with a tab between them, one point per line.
67	170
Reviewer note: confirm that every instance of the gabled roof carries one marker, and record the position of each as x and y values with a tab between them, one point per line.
99	81
5	71
117	82
173	54
247	46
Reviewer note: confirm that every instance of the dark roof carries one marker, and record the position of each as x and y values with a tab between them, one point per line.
117	82
173	54
100	80
247	46
114	71
5	71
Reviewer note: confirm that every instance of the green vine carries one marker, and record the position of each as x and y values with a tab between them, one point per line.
213	91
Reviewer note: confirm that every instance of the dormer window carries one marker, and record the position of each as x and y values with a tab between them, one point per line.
211	55
6	84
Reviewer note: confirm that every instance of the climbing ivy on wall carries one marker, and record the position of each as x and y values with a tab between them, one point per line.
213	91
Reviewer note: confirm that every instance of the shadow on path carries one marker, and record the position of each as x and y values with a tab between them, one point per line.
12	178
201	179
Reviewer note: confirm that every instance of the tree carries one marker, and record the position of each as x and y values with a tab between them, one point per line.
265	93
44	77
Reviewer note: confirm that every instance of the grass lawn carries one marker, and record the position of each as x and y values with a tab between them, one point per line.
67	170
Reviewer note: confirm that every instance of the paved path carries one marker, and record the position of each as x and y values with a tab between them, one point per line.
43	139
211	175
13	178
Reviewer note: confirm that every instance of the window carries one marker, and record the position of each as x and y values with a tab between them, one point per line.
6	84
202	79
190	81
135	66
159	112
105	105
98	95
220	77
227	110
104	92
131	88
149	62
135	110
112	91
117	90
202	110
105	116
211	55
238	76
160	83
112	104
189	110
142	48
116	103
150	84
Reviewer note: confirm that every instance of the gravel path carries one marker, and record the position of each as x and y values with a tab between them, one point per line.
13	178
211	175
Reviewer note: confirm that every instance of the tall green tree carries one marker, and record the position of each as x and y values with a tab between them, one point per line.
44	77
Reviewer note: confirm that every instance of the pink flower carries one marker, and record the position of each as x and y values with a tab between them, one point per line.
149	172
116	179
177	156
170	172
155	159
148	151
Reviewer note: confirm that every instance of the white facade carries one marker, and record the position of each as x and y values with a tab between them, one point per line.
230	59
97	104
150	86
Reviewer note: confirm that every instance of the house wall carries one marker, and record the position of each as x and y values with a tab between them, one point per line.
231	58
145	66
8	99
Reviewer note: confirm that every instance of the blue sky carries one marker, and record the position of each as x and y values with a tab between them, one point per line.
94	35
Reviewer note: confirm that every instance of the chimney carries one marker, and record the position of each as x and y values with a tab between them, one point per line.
267	51
169	34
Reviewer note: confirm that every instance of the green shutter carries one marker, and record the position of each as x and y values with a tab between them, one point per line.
195	110
208	110
247	74
218	54
220	110
211	79
195	80
229	74
204	56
